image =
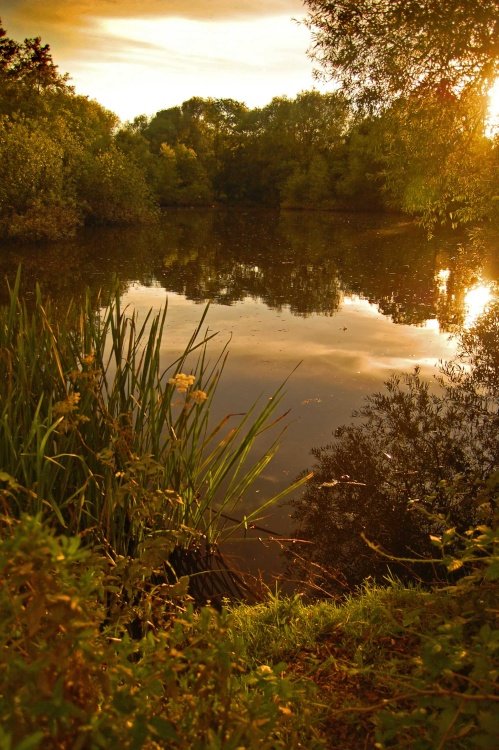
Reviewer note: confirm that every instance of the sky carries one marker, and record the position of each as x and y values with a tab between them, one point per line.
140	56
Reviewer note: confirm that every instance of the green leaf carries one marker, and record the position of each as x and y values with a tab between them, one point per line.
163	729
412	617
180	588
31	742
10	480
492	572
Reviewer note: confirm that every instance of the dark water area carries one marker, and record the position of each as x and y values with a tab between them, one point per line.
351	298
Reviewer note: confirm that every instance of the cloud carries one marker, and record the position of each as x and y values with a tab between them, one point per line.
73	28
138	56
138	66
78	12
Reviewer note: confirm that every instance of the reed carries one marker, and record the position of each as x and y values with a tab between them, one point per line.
105	441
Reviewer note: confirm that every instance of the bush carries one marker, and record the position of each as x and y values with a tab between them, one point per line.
445	695
114	190
43	220
70	679
36	201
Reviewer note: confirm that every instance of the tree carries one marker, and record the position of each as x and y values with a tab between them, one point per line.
358	169
114	189
26	72
425	67
30	62
448	177
380	50
308	187
60	156
282	151
206	128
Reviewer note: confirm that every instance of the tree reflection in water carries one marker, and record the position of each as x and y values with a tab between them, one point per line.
304	261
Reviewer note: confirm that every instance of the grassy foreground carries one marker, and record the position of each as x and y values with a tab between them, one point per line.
388	668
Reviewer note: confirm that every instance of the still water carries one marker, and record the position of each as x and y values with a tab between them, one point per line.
349	298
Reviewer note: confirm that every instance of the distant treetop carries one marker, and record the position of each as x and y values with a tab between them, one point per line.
28	62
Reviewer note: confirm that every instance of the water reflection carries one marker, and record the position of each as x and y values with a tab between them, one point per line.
442	278
466	281
476	300
352	297
308	263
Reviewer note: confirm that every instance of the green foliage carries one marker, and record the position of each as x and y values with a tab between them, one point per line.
310	187
388	667
51	650
68	679
450	179
180	178
219	148
114	190
67	163
27	75
396	667
310	152
61	166
32	198
307	152
447	698
29	62
382	50
31	162
358	170
424	68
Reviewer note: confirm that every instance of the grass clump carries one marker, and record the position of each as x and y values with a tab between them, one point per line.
395	667
386	668
102	440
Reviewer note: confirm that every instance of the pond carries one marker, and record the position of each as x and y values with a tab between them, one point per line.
349	298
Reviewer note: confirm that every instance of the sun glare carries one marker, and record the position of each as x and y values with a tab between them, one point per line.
442	277
493	115
476	300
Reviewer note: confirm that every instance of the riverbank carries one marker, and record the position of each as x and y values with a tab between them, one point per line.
388	667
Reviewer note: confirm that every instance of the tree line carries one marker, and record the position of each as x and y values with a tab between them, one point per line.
67	161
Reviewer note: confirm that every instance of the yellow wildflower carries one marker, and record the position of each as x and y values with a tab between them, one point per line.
88	359
182	382
69	405
68	409
198	396
264	669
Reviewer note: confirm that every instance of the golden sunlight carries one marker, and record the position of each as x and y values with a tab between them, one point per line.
167	59
493	114
432	324
442	277
476	300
